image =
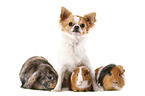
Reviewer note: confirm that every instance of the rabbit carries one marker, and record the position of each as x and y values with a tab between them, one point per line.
81	79
110	77
38	73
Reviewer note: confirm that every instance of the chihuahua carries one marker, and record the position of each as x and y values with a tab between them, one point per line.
72	53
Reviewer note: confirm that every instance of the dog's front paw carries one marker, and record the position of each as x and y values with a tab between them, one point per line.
56	90
96	88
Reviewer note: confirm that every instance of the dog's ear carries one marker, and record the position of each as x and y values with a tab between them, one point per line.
90	19
64	14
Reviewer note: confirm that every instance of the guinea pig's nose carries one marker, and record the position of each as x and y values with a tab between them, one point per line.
76	27
80	81
115	82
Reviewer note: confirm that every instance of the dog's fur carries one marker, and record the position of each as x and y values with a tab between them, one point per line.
75	29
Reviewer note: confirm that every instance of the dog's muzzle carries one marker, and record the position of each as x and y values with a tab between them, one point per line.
76	28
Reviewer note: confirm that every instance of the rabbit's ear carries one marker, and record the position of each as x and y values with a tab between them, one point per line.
49	69
29	83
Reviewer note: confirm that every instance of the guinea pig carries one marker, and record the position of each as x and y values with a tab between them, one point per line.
38	73
81	79
110	77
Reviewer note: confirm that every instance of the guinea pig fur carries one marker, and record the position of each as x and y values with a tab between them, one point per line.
110	77
81	79
38	73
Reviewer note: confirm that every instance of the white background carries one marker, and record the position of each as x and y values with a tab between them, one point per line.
31	28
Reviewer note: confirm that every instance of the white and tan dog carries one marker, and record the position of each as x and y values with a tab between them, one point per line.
75	29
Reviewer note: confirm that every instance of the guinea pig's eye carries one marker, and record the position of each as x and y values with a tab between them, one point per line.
70	24
86	73
77	74
82	25
110	73
119	75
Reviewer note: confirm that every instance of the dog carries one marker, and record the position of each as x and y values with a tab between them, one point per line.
72	53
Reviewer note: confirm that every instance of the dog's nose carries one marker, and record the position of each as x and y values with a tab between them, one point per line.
76	27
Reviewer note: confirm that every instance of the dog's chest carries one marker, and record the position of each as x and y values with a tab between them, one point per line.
73	52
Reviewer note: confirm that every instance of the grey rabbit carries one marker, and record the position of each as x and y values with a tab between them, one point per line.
38	73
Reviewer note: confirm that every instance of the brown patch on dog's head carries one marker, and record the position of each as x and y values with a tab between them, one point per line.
74	24
114	80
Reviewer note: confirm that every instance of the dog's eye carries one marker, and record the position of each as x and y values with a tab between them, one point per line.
82	25
70	24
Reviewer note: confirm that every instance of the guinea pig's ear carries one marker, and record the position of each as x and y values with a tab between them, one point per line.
109	73
121	68
86	71
75	70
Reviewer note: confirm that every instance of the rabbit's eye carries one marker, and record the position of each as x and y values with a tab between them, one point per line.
40	77
49	77
50	72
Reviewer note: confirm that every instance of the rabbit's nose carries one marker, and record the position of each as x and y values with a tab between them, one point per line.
115	82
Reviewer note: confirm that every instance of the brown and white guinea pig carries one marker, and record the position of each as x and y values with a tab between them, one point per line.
81	79
110	77
38	73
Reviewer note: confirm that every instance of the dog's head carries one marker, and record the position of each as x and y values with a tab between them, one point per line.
74	24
